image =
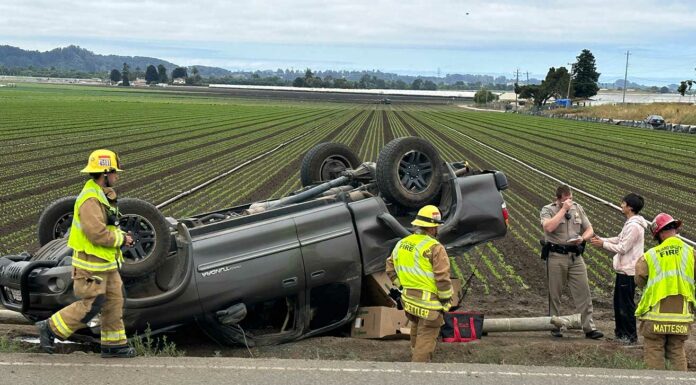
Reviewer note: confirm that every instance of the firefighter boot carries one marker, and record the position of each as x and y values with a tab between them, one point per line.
119	351
46	336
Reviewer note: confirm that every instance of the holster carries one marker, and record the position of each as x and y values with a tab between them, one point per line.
545	249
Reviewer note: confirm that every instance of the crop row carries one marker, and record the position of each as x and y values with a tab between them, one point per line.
610	182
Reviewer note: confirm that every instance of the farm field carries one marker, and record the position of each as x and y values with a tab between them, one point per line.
170	142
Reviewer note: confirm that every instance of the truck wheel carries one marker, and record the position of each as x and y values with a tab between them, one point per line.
326	161
151	234
409	172
55	250
55	219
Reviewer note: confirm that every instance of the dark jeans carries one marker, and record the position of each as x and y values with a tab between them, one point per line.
625	307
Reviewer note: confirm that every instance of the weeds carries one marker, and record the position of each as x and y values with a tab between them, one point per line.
679	113
148	346
600	358
9	345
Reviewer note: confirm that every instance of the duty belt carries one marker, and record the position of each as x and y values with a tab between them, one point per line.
564	249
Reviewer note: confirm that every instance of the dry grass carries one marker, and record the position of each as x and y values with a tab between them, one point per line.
679	113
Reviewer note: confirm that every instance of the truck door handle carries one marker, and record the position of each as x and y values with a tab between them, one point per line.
290	282
317	274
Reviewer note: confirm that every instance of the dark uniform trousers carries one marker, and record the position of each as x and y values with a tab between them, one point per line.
562	270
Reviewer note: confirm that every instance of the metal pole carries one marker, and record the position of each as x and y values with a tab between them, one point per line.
517	83
625	79
570	79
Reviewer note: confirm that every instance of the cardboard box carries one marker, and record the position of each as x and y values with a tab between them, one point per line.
376	290
380	322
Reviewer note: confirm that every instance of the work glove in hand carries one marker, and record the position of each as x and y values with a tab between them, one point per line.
446	304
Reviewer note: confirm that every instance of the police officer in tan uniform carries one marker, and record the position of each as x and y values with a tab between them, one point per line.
566	228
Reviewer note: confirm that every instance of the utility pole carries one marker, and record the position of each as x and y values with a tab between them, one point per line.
625	78
517	84
570	79
527	77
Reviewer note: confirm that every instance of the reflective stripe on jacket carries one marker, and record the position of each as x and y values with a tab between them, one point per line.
415	271
670	272
79	242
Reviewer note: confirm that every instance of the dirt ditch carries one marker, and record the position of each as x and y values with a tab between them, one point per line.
527	348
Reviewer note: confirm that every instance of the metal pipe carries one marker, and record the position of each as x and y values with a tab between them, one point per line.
314	191
531	323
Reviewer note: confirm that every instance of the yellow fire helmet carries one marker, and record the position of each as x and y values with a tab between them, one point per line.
102	161
428	216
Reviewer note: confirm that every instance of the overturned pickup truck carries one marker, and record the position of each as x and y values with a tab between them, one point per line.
276	270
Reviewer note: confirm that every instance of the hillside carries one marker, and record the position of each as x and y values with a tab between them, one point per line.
80	59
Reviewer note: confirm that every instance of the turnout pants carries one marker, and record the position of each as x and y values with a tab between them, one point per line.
658	347
99	292
625	308
424	335
562	270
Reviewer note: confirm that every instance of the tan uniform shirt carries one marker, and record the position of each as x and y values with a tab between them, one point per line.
441	267
567	228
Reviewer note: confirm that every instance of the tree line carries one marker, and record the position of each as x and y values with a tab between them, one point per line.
153	75
578	83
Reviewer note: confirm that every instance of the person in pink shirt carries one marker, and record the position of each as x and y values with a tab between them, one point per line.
628	247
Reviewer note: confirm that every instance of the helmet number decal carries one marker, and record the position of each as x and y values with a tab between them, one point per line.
104	161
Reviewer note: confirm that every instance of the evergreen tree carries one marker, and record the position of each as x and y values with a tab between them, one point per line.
125	73
162	73
115	76
179	72
586	75
151	75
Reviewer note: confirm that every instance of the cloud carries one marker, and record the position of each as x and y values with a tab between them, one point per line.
406	36
389	22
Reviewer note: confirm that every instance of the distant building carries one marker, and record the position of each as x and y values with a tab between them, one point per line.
179	81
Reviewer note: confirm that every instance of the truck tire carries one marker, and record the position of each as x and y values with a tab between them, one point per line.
325	161
55	219
409	172
151	234
149	227
54	250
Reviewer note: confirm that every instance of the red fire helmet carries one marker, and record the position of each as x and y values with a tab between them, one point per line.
662	220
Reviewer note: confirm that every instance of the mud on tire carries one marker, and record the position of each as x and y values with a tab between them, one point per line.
409	172
325	161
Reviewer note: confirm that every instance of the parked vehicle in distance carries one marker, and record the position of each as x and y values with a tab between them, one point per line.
276	270
655	121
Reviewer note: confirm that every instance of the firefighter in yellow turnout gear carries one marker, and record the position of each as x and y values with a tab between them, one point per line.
419	265
96	244
666	309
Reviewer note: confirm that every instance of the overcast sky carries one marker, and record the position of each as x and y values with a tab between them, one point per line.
403	36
